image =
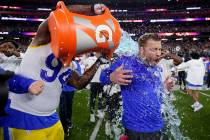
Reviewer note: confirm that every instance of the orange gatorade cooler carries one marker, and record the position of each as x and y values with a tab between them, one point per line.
73	34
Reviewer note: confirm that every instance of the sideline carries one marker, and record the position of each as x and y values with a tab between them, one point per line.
199	91
205	94
96	129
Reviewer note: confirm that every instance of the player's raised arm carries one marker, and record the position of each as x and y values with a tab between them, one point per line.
43	34
81	82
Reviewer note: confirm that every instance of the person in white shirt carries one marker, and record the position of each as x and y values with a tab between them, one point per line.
195	78
88	60
96	89
66	101
167	62
113	108
10	58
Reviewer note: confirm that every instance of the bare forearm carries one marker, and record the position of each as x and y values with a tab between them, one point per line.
177	59
81	9
81	82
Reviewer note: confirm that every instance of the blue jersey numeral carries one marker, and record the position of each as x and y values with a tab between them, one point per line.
54	65
65	76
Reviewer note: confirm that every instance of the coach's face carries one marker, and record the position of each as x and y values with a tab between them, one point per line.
151	51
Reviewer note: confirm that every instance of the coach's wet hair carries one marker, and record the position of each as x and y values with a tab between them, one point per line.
147	36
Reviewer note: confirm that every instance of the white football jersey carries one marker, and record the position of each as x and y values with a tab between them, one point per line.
39	63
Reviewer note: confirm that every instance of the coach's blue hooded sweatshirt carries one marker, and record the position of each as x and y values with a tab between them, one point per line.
141	98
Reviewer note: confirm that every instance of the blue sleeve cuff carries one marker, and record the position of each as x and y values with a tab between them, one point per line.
105	77
19	84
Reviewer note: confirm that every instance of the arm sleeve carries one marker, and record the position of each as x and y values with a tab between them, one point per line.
105	74
183	66
19	84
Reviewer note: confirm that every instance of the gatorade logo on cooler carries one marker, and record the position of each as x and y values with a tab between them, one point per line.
73	34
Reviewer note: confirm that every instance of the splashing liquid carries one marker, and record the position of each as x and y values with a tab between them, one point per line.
127	46
171	131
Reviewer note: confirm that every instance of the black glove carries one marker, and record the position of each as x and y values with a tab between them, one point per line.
4	76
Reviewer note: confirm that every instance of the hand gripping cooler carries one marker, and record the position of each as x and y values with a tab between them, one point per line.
73	34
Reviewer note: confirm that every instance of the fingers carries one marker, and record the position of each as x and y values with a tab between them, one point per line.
120	68
169	83
40	83
169	87
103	7
36	87
125	79
99	8
127	76
122	81
126	71
121	77
167	78
17	54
